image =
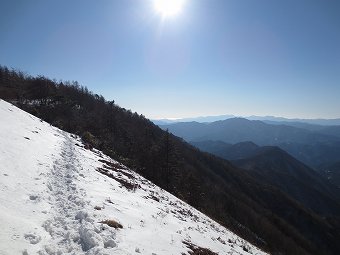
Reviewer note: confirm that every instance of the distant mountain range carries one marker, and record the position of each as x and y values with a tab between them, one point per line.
245	150
268	119
237	130
315	145
201	119
324	122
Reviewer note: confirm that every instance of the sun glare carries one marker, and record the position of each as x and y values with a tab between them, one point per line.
168	7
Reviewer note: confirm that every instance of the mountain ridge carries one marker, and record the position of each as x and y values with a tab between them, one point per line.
237	130
313	146
258	212
278	168
201	119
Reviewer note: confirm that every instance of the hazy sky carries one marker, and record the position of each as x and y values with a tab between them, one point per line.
241	57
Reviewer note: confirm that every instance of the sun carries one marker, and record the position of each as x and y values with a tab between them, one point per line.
168	7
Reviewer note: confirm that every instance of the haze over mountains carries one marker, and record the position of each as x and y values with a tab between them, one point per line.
267	119
236	130
315	145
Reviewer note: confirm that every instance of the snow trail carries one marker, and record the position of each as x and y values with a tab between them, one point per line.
71	228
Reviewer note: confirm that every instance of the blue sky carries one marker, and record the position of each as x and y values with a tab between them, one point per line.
240	57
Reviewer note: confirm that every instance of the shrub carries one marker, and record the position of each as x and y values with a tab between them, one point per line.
89	140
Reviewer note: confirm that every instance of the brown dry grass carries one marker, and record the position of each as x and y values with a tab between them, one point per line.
196	250
112	223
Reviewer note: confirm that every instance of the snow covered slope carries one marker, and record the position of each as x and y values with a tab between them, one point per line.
56	197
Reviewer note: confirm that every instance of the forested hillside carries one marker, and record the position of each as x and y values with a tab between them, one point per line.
258	212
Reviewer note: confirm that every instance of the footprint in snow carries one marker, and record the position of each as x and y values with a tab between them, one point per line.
15	236
32	238
34	197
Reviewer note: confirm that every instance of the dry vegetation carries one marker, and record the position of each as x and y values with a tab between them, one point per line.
112	223
196	250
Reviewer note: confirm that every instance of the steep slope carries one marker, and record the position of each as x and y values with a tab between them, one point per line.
57	197
278	168
258	212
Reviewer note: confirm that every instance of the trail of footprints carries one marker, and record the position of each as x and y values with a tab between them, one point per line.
70	225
